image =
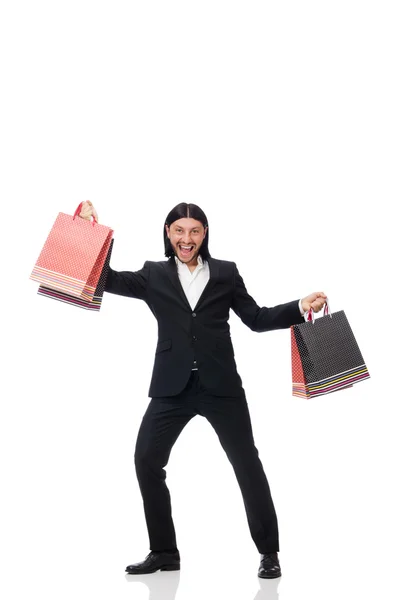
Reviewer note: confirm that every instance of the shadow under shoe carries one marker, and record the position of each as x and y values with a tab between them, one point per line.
156	561
269	567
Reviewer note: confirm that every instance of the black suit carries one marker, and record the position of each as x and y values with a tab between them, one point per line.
201	338
203	333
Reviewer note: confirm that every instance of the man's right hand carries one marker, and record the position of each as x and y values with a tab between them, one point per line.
88	211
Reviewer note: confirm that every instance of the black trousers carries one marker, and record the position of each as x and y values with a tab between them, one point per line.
161	425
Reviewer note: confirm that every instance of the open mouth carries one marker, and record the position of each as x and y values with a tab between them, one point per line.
186	250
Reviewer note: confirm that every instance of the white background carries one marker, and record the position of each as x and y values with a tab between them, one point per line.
279	120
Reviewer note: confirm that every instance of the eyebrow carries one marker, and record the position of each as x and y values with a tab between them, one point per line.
179	227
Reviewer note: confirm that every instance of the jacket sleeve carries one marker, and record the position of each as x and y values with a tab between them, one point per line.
133	284
259	319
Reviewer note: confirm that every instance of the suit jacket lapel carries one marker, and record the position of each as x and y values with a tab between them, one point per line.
214	274
172	272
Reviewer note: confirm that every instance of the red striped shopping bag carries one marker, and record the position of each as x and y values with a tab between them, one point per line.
96	303
73	256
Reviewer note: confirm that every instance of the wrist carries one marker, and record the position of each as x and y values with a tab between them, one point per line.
302	310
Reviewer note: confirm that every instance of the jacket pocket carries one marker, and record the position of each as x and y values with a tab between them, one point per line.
164	345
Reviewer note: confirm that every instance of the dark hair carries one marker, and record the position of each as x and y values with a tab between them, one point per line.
186	211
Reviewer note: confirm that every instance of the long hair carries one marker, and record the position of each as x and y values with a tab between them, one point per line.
186	211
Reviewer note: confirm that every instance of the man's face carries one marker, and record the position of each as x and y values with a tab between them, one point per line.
186	237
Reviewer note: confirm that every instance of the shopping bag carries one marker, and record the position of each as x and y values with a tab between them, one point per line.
325	355
95	303
73	256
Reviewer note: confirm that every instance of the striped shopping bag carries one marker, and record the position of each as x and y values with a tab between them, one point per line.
95	303
325	355
73	256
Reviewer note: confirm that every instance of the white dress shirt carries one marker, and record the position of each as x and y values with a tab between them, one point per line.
193	283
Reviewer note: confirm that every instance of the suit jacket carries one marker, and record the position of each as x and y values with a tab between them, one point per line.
202	334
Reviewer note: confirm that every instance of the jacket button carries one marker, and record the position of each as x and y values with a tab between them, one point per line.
194	315
194	338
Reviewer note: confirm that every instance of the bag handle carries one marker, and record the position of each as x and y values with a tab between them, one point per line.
309	315
77	212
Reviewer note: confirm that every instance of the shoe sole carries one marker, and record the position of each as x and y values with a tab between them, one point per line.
269	576
147	572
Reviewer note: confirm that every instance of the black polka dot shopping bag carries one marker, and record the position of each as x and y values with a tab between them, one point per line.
73	264
325	355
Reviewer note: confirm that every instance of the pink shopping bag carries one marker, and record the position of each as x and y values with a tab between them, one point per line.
73	256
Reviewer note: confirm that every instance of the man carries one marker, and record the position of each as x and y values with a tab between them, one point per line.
195	373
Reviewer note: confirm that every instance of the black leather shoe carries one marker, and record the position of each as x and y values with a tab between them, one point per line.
163	561
269	567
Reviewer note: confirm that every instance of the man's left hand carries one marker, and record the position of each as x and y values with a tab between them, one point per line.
315	301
